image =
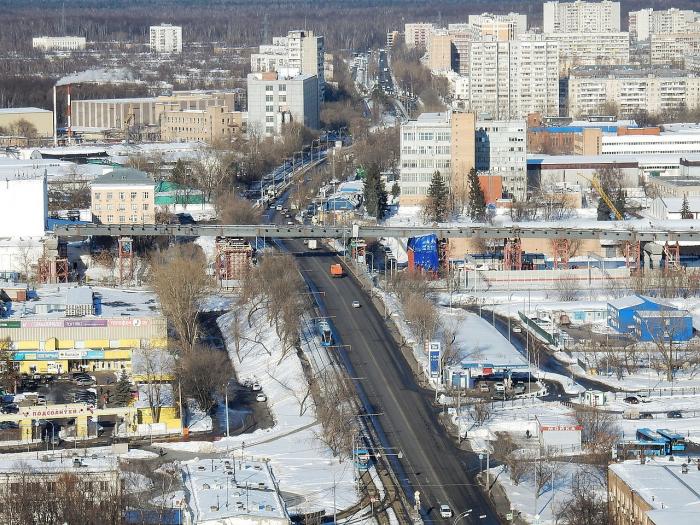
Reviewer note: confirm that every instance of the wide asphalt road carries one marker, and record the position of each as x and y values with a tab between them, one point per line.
432	463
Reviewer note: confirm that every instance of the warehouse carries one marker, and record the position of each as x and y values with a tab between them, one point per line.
621	311
41	119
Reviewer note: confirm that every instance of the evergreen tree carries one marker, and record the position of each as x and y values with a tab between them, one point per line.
123	390
685	208
179	174
477	199
375	195
395	190
620	201
438	195
604	210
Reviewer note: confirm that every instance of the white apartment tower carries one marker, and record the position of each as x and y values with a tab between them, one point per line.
300	50
502	27
581	17
166	38
647	22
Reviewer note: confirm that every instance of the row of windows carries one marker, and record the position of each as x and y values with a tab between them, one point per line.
122	195
121	207
122	218
280	87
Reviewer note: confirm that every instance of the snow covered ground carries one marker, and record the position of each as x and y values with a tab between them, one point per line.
301	462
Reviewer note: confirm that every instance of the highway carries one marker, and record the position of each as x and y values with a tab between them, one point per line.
431	462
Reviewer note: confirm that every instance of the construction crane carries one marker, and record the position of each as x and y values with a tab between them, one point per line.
598	186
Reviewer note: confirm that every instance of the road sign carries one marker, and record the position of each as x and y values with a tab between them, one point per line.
509	516
434	354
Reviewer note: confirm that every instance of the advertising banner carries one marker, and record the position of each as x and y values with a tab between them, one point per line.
434	355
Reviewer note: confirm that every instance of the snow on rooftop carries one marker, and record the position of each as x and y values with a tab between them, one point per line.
662	484
626	302
10	111
221	491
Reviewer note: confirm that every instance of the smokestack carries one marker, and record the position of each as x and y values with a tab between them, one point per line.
55	119
68	111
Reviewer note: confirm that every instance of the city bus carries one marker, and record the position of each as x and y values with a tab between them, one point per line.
324	330
675	440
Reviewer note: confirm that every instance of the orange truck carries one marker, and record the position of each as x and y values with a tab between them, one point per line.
337	270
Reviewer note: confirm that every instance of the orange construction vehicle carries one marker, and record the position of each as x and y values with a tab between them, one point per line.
337	270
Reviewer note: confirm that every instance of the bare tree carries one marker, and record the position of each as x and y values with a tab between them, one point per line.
203	372
157	368
231	209
586	504
567	289
480	411
179	278
599	433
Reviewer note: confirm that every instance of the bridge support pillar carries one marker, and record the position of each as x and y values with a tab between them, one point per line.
561	249
125	254
672	253
633	256
513	254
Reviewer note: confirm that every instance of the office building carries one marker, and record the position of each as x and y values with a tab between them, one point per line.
631	89
417	34
647	22
666	143
590	49
501	27
123	196
59	43
213	124
300	50
453	143
14	121
673	48
441	52
166	38
275	98
581	17
510	79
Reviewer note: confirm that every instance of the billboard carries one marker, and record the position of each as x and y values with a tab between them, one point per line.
425	252
434	358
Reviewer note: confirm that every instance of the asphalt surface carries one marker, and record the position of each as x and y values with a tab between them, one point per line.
431	461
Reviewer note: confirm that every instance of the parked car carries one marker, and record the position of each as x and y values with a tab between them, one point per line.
646	415
484	387
12	408
632	400
8	425
256	387
517	329
261	397
499	387
675	414
445	511
84	381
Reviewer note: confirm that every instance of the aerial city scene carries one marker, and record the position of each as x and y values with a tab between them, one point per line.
382	262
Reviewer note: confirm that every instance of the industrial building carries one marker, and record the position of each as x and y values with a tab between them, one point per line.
123	196
621	312
213	124
663	325
165	38
42	120
59	43
277	98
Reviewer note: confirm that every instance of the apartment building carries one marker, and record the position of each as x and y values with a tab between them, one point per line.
632	89
647	22
453	143
165	38
510	79
59	43
417	34
146	111
673	48
581	17
276	98
300	50
589	49
123	196
213	124
442	55
501	27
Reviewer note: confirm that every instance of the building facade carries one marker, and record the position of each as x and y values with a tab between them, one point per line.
647	22
59	43
632	89
501	151
209	125
275	99
165	38
674	48
417	34
442	54
123	196
501	27
41	119
590	49
581	17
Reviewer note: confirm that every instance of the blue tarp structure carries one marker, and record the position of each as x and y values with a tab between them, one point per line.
425	252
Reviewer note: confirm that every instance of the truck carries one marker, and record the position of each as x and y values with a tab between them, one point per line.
337	270
313	244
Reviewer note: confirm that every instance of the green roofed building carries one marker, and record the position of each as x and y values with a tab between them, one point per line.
169	193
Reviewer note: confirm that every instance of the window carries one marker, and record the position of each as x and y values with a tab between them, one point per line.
97	195
121	207
269	109
109	195
122	195
110	218
109	207
133	218
97	207
133	194
269	88
145	207
145	195
121	218
283	87
270	118
282	98
269	98
134	207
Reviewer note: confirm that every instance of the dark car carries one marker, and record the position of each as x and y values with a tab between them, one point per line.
632	400
8	425
10	409
675	414
646	415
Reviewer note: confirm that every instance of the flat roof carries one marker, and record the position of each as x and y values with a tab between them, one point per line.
6	111
79	295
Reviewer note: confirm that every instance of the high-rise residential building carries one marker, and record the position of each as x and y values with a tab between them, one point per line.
647	22
442	54
453	143
392	37
300	50
276	98
59	43
501	27
166	38
632	89
581	17
590	49
510	79
674	48
417	34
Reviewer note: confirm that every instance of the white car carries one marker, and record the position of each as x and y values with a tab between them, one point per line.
356	304
261	397
445	511
499	387
256	387
290	223
278	207
517	329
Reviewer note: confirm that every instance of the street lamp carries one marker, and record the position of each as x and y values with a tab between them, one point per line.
460	516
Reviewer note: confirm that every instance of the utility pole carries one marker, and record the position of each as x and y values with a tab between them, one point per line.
226	401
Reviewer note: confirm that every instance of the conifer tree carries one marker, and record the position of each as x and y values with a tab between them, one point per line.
477	199
436	205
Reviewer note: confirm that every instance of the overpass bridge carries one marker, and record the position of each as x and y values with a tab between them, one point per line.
612	232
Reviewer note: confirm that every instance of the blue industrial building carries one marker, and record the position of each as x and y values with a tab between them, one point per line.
666	325
621	311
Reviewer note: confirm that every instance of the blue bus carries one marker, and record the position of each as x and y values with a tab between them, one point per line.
674	439
633	449
324	330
